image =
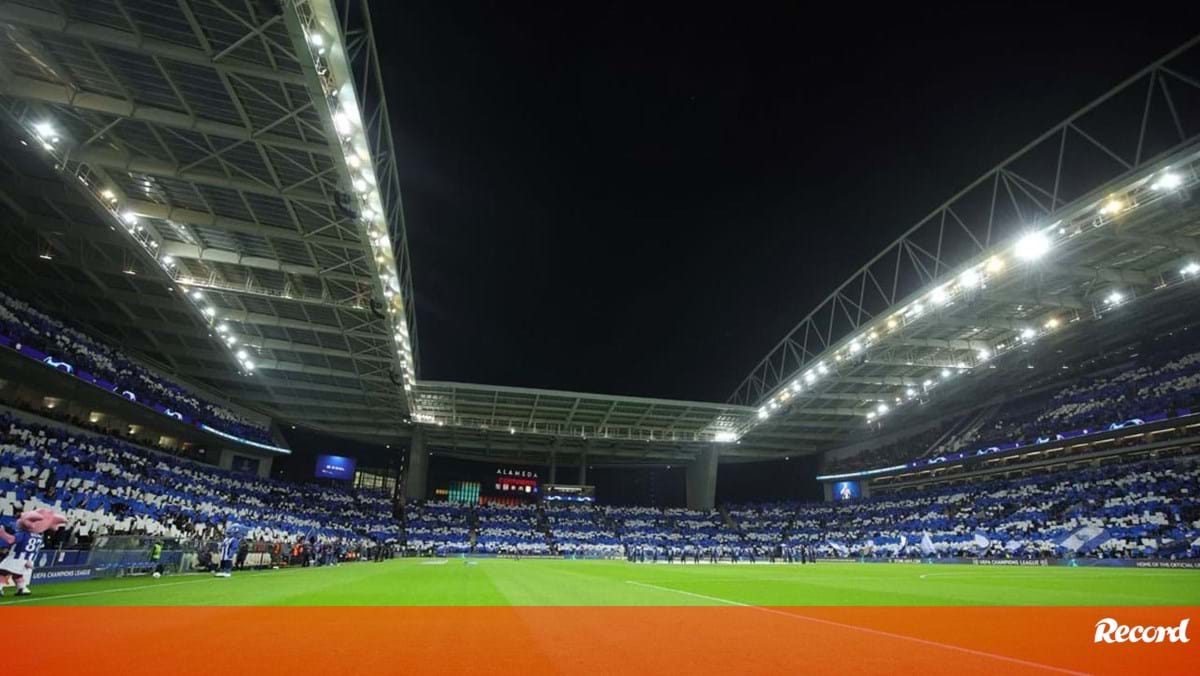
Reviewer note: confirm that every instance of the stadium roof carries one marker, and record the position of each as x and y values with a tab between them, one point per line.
234	196
468	418
1096	213
213	184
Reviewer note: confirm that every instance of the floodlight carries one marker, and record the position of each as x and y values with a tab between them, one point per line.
1032	246
1168	181
1112	206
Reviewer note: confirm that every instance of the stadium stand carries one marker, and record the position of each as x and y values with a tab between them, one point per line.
22	324
438	527
581	531
108	486
510	529
1131	508
1127	510
1160	382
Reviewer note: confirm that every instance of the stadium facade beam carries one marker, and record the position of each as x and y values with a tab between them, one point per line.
260	319
204	219
1106	274
797	420
939	343
931	360
304	407
251	290
304	348
53	22
846	396
214	255
782	433
828	411
277	383
293	367
1181	243
65	95
1033	297
903	381
979	322
151	166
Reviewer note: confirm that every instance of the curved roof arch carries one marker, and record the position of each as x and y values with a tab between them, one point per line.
1092	214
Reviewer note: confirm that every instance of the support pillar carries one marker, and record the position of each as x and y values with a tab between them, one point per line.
553	467
418	466
583	469
702	480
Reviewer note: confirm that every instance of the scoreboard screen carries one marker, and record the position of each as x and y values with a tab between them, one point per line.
516	483
846	490
335	467
569	493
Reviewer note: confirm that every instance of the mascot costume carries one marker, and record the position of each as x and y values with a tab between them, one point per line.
229	548
24	547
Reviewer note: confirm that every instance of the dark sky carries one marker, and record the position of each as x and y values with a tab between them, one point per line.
642	198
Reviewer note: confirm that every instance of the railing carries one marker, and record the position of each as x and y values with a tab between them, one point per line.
120	555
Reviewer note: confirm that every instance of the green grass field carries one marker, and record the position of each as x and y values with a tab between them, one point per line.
495	582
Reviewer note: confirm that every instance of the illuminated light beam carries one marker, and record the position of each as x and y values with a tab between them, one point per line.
248	442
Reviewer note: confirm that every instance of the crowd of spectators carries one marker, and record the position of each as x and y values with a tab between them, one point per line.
1161	381
21	323
1148	508
581	530
509	529
107	486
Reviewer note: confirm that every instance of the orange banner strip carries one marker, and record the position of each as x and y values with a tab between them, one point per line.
587	640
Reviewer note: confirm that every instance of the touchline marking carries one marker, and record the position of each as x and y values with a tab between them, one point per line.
1037	572
877	632
27	599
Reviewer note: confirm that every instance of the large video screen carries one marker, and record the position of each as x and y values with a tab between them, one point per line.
846	490
335	467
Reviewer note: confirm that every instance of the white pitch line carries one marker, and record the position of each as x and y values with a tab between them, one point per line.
1038	572
877	632
27	599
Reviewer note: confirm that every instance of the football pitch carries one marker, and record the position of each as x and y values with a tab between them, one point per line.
535	582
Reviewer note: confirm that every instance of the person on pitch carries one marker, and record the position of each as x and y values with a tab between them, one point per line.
229	549
24	547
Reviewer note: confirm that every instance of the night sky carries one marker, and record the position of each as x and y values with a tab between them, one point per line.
635	199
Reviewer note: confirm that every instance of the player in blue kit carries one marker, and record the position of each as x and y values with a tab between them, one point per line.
229	548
